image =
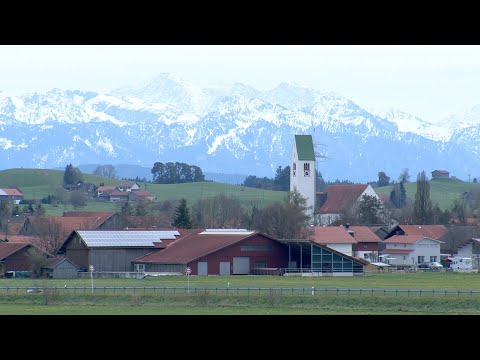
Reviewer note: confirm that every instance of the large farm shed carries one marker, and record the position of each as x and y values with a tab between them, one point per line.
217	252
308	258
16	257
112	251
60	268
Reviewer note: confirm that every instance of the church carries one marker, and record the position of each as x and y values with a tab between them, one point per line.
302	171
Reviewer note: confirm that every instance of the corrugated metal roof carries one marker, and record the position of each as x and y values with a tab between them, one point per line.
124	238
226	232
304	145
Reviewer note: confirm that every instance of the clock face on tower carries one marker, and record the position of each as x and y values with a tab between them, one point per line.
306	173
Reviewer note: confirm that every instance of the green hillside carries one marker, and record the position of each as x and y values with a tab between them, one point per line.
38	183
442	191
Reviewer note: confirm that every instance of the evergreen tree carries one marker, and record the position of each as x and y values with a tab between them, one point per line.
181	217
369	208
383	179
72	175
141	209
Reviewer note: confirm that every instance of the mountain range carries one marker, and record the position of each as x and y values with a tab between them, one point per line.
229	129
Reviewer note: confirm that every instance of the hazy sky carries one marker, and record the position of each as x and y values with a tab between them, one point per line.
428	81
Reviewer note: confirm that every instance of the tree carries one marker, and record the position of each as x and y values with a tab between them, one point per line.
422	207
77	199
217	212
369	208
398	196
404	176
459	209
141	209
282	179
106	171
383	179
48	234
320	184
250	215
284	220
181	217
72	176
38	261
126	209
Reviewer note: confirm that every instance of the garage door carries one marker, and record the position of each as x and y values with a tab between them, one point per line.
225	268
241	265
203	268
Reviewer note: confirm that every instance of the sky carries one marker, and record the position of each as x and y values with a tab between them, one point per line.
428	81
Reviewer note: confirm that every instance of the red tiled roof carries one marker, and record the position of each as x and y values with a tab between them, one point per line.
431	231
192	246
407	239
119	193
331	235
24	239
396	251
364	234
341	197
142	193
12	192
127	184
8	248
69	223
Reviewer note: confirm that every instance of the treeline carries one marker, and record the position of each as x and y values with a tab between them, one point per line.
281	181
176	173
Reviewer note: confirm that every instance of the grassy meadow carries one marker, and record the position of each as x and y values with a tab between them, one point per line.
38	183
208	295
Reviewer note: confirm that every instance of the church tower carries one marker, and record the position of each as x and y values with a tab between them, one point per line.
302	170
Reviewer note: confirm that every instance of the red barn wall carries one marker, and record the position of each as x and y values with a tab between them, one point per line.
276	258
18	261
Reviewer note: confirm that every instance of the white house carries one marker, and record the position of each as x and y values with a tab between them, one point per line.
128	186
411	249
302	170
339	199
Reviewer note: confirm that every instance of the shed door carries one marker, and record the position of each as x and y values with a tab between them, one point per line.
241	265
225	268
202	268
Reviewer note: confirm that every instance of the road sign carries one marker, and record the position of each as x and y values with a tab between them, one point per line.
90	268
188	271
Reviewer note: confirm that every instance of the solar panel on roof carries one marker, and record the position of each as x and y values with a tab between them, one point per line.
124	238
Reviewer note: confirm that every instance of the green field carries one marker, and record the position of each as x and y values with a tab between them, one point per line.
38	183
442	191
247	295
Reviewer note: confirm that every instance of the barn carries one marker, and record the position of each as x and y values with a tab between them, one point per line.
15	257
112	250
60	268
217	252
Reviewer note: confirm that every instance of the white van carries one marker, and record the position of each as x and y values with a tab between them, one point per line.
461	264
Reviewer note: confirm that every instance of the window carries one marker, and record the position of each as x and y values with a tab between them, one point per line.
294	166
306	167
421	259
139	267
433	258
294	173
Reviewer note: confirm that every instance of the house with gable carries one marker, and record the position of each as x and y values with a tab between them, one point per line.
368	243
431	231
128	186
440	174
11	195
337	200
334	237
410	250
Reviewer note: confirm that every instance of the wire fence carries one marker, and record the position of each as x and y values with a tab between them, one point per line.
179	290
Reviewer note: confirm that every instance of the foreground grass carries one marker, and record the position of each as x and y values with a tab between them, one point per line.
208	296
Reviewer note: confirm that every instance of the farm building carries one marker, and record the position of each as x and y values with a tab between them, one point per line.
60	268
367	246
216	252
16	257
439	174
112	250
310	258
431	231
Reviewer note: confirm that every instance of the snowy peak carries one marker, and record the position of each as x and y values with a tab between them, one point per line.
410	123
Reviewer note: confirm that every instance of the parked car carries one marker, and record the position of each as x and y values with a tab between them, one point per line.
424	265
435	265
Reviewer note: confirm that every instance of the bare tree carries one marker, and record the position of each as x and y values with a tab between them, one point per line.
48	234
37	260
217	212
106	171
77	198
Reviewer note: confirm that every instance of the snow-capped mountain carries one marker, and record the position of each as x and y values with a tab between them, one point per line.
227	129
